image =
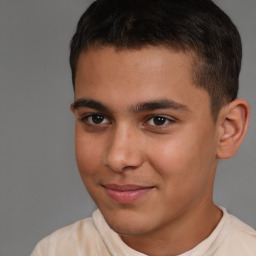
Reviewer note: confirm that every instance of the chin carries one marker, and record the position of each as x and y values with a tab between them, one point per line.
128	223
128	229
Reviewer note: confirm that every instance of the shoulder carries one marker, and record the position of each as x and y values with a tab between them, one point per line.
242	231
240	238
76	231
68	240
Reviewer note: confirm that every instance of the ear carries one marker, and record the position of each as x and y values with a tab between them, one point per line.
233	122
72	108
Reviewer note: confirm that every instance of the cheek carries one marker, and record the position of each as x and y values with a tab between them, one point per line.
171	156
181	161
88	154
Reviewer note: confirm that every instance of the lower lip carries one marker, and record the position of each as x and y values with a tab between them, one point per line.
127	196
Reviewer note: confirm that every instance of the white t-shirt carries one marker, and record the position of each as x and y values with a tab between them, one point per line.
93	237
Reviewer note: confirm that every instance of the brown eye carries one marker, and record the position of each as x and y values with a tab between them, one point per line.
96	119
159	120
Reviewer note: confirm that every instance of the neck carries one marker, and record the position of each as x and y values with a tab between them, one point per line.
180	235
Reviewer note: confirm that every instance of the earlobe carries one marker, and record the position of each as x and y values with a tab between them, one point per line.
233	127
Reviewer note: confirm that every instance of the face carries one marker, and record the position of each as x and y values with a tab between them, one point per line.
145	138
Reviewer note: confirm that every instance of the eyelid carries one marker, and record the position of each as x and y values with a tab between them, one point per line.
107	120
168	118
85	118
162	115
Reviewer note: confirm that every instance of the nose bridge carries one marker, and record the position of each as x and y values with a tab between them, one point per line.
124	149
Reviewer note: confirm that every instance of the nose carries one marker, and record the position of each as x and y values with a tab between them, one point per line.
125	150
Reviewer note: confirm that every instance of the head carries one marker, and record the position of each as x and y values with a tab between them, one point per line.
197	27
155	100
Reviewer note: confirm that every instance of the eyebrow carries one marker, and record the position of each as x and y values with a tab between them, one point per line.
158	104
137	108
88	103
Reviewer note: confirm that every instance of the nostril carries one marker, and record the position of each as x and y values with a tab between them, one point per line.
120	161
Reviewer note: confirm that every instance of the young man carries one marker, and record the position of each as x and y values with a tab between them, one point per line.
156	107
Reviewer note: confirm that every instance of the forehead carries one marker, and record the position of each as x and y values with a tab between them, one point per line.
128	76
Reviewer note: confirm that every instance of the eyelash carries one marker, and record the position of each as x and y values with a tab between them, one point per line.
167	121
85	119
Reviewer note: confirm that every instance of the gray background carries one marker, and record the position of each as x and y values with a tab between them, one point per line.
40	188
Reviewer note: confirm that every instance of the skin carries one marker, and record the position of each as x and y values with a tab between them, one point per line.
174	157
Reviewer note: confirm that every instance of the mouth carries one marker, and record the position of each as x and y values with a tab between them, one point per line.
125	194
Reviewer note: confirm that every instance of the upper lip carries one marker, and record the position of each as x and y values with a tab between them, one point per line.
125	187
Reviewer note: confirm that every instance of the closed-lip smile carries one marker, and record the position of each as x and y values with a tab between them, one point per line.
127	193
